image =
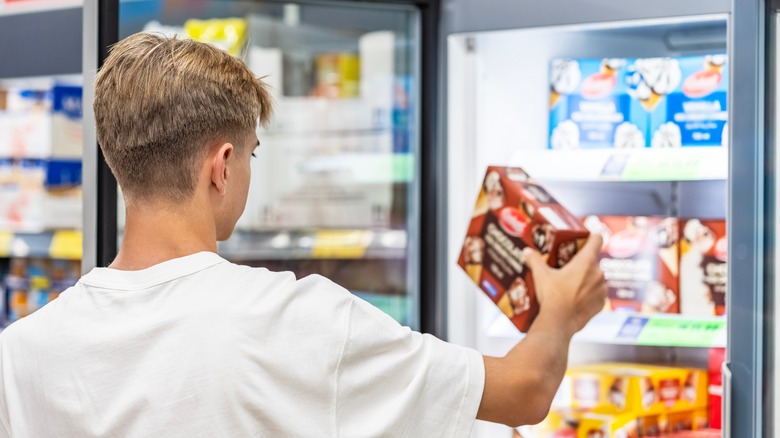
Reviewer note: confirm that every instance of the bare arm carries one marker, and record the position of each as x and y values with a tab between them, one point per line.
520	386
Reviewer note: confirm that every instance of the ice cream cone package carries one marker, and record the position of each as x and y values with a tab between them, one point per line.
703	269
640	261
590	106
513	212
684	97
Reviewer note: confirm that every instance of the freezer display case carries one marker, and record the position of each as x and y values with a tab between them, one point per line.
645	122
337	186
40	156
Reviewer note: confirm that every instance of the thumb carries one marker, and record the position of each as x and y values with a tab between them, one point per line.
533	259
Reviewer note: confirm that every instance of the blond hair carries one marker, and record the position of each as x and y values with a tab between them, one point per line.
161	102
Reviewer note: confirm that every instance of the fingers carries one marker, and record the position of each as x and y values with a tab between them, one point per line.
533	259
593	245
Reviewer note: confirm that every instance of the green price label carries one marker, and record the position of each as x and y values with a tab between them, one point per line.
680	333
649	168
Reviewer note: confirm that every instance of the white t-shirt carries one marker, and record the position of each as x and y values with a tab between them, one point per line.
201	347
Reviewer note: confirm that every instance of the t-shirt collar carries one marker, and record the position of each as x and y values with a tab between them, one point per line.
108	278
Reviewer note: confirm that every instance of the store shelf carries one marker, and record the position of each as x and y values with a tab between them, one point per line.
34	6
681	164
61	244
320	244
626	328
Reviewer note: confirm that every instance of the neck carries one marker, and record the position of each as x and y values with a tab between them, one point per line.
158	233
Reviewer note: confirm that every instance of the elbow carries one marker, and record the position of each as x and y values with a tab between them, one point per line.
535	401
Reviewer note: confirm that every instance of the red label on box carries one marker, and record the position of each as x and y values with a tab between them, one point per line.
513	212
640	261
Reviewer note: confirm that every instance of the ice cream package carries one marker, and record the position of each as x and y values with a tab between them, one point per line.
684	98
703	269
591	106
513	212
639	258
629	103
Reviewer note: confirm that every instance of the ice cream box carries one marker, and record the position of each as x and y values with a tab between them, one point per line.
575	423
685	98
642	389
513	212
661	102
703	269
640	261
590	106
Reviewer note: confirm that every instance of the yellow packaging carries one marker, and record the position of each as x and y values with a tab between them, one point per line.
613	388
228	34
687	420
608	426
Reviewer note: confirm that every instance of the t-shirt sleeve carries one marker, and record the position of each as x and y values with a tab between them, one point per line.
392	381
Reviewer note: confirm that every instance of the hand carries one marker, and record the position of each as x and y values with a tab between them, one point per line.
576	292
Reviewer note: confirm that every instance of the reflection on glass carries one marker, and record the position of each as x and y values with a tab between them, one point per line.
333	187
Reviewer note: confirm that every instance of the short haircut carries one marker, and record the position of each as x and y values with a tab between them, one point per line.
161	102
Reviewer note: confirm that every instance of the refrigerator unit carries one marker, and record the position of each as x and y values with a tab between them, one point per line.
526	88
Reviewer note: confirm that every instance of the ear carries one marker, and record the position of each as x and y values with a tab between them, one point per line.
219	168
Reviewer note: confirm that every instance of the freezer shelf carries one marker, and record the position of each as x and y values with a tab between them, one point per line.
33	6
319	244
648	164
627	328
60	244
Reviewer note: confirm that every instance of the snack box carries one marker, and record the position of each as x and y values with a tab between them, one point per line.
639	258
584	424
513	212
612	388
703	268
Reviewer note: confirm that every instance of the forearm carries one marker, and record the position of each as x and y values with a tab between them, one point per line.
527	378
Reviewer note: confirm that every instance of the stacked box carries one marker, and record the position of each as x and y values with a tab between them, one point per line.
640	261
628	103
703	269
514	212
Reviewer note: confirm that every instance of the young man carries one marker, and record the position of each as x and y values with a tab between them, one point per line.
172	340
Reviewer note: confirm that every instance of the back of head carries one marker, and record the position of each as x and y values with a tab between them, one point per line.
160	102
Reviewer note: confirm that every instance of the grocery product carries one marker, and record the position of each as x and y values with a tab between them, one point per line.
337	75
513	212
612	388
715	388
590	106
627	103
30	284
685	98
703	269
640	261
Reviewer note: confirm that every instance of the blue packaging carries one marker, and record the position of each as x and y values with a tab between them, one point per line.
637	103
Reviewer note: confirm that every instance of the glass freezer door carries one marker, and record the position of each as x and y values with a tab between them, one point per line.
335	183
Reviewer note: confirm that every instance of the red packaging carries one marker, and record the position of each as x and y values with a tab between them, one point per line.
703	270
511	213
640	261
715	389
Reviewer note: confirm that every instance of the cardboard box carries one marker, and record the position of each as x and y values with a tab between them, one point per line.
630	103
703	269
640	261
687	421
715	388
612	388
513	212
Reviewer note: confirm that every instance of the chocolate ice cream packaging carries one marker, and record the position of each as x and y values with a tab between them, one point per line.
639	258
703	269
513	212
